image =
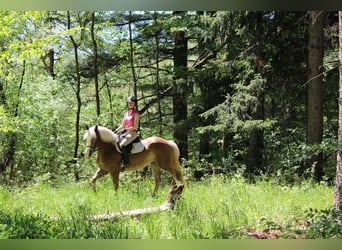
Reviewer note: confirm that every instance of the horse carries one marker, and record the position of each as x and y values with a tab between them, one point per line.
159	153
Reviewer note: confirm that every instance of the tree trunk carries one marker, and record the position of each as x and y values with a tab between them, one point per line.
315	90
131	56
256	139
10	149
49	63
78	97
255	147
204	138
180	110
338	187
160	116
95	65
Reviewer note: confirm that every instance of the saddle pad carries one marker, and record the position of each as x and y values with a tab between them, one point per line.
137	147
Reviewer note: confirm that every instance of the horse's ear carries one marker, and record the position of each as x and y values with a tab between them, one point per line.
87	127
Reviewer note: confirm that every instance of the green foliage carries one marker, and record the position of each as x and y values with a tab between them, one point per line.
323	224
19	226
235	113
6	125
216	208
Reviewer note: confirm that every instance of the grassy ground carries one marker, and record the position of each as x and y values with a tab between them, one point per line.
214	208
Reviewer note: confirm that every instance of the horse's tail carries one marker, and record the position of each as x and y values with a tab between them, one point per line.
176	162
175	149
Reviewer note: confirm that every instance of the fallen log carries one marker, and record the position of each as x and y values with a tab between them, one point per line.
169	204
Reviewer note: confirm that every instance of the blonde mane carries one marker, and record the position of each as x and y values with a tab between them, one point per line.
106	134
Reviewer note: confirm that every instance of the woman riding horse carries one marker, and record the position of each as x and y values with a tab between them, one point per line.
128	129
159	154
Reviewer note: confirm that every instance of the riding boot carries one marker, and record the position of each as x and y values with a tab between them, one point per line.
125	156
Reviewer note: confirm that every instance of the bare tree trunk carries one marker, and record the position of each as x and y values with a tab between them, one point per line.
338	187
78	96
315	90
95	66
131	56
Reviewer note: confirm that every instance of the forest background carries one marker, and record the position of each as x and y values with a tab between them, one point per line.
238	91
249	94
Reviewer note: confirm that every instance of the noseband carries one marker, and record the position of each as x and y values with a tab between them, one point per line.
92	147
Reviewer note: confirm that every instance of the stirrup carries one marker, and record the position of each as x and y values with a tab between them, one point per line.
123	166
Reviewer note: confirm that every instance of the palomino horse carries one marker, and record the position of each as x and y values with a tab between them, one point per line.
159	154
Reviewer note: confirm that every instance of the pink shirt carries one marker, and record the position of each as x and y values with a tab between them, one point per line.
129	118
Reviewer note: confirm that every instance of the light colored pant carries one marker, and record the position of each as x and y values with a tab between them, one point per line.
128	137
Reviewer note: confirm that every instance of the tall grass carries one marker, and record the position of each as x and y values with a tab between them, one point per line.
214	208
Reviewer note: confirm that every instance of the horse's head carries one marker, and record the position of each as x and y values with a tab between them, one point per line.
97	134
91	141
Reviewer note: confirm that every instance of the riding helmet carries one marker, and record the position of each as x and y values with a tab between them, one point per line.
132	99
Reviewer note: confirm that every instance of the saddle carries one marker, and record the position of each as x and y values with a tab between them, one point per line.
134	147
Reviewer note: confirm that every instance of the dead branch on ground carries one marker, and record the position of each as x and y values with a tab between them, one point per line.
169	204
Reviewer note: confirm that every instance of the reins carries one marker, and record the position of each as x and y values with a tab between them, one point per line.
94	149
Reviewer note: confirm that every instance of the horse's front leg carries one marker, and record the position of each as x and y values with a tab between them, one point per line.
98	174
115	179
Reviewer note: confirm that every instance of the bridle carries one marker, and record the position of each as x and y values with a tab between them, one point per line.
92	147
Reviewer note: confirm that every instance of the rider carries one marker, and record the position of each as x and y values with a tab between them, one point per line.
128	128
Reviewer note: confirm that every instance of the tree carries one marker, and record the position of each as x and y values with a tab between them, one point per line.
77	88
18	46
131	55
180	110
338	185
157	84
95	63
315	90
262	57
256	142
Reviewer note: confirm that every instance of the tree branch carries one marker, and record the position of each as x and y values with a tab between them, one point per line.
154	100
169	204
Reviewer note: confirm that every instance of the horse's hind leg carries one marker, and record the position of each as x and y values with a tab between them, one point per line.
98	174
157	177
